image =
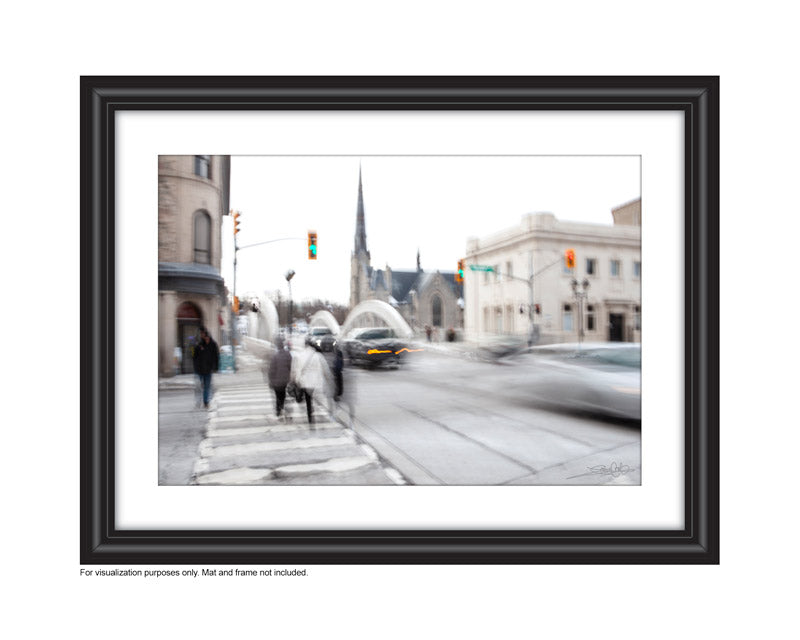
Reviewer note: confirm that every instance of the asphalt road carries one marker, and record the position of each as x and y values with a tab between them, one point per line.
440	419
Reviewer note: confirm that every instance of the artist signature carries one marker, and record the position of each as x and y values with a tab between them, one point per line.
615	470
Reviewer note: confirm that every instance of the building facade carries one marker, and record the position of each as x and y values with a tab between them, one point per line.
193	195
422	298
607	272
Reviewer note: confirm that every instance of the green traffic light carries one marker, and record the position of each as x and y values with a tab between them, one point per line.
313	249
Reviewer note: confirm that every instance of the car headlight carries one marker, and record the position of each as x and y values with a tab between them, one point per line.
633	391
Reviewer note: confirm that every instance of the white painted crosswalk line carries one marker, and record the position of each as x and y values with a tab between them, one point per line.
335	465
277	428
265	447
246	443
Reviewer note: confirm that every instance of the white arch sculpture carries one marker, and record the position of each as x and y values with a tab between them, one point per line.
324	318
266	321
384	311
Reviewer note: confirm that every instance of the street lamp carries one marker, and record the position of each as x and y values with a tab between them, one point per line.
289	276
580	295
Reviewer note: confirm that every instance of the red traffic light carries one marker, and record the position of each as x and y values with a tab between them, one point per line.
569	258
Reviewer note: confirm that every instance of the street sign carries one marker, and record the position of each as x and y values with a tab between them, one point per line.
480	267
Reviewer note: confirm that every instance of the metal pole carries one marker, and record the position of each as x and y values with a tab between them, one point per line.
291	311
531	316
234	315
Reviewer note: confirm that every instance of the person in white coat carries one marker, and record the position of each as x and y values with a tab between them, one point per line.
311	373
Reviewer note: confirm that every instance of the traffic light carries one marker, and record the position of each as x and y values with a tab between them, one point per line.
460	271
236	222
236	304
569	258
537	309
312	245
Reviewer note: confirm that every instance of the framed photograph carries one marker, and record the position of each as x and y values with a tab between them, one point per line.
399	320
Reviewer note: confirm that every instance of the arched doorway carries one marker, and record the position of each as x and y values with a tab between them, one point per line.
190	319
436	311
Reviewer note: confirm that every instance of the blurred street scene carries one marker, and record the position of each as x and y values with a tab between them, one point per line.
519	365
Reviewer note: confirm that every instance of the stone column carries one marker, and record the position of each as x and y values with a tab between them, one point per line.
167	333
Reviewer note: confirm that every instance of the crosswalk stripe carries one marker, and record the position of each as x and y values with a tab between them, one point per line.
240	475
334	465
266	447
277	428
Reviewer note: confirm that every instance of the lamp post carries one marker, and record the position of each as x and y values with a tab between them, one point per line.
289	276
580	295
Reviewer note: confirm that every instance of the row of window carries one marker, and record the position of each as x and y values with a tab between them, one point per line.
614	268
567	318
592	269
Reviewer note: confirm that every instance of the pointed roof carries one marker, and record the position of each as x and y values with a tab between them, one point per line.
361	227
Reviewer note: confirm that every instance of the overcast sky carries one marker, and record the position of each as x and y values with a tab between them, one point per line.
430	203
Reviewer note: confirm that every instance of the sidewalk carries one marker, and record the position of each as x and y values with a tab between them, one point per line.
245	443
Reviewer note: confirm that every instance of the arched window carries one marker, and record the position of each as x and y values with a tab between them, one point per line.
436	311
202	237
188	311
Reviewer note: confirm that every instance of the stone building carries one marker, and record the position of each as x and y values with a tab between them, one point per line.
193	195
607	258
422	298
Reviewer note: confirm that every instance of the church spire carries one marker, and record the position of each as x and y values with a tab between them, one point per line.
361	229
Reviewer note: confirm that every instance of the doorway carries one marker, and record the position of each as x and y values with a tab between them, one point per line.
616	327
189	323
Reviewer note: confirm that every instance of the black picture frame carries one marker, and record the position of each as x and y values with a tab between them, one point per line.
101	542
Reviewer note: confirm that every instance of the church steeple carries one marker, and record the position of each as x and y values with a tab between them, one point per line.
361	228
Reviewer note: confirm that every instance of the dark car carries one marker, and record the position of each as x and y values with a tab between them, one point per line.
322	338
374	347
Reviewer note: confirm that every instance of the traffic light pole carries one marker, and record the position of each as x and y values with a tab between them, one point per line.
236	249
529	281
234	316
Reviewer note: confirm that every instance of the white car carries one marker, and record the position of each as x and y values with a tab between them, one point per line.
600	378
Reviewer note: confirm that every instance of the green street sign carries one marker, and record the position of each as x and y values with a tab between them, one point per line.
480	267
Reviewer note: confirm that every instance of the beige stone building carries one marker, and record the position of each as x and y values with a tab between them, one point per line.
193	195
607	259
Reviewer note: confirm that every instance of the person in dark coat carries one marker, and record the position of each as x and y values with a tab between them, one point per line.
206	362
338	366
280	368
343	393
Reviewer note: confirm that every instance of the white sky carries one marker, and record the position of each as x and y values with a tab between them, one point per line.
433	203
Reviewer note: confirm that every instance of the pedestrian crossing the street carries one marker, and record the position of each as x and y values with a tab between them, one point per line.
247	444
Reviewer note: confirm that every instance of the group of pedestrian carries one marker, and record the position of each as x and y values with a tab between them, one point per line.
304	375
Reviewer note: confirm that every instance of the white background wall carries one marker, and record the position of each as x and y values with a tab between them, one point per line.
48	45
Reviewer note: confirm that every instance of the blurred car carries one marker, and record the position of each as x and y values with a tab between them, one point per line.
498	347
322	338
374	347
602	378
